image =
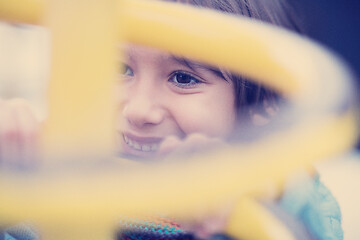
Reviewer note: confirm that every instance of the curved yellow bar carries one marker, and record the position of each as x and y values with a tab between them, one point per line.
190	32
103	193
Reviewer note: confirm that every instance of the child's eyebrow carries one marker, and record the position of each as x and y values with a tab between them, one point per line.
193	65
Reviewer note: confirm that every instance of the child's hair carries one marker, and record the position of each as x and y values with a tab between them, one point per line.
250	96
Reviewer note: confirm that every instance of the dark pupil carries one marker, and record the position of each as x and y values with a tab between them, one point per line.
183	78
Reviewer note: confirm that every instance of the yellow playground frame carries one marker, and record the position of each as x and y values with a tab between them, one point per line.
84	39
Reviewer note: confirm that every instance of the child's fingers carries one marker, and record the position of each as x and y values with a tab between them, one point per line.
28	135
169	145
205	223
8	135
193	143
18	133
198	142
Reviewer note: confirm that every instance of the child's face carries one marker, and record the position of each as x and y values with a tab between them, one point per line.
163	97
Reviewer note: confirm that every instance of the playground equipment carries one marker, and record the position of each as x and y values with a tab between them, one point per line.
76	195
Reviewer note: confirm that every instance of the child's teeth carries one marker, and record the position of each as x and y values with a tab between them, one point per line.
145	148
154	147
138	146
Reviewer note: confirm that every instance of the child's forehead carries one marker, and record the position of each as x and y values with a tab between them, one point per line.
133	52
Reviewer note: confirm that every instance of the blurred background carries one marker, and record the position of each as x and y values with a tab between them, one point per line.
24	64
336	24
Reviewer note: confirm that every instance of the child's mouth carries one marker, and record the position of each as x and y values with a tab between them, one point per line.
145	145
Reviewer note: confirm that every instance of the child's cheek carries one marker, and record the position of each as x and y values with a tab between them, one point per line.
205	115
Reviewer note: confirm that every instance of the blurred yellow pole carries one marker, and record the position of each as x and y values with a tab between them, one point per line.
83	68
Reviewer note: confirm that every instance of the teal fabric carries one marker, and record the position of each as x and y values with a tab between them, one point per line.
314	205
19	232
9	237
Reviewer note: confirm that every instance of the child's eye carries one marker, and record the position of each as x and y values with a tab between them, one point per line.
184	80
126	70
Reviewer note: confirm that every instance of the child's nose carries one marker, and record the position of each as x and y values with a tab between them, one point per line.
142	110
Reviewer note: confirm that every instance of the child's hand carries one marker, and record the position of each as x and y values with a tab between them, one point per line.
205	225
19	134
202	223
193	143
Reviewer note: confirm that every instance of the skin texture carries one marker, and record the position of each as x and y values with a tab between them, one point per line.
167	104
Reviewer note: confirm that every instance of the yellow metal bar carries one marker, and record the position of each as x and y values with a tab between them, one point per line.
260	51
243	45
106	194
22	11
83	72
